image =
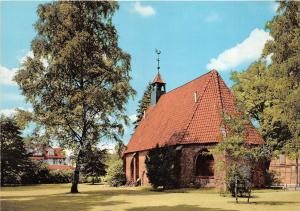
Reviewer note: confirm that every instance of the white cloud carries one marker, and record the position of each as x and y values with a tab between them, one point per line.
144	10
133	117
212	17
7	76
7	112
29	54
247	51
12	111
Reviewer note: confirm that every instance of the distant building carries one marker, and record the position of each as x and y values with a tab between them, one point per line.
54	157
285	170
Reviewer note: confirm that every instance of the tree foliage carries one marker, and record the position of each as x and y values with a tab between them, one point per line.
115	174
94	163
14	157
163	167
255	97
271	92
285	69
143	105
78	79
241	157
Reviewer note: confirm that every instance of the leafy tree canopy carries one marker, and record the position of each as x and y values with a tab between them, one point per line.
78	78
14	157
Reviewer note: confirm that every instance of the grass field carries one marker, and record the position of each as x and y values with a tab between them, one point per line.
101	197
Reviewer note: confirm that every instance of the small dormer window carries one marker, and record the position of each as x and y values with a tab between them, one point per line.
51	152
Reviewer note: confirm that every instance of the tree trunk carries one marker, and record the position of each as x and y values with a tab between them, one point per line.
93	181
75	181
249	195
74	188
297	172
236	189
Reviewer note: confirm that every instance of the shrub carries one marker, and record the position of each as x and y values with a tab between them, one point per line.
243	175
39	173
163	167
115	175
36	174
60	176
94	164
88	179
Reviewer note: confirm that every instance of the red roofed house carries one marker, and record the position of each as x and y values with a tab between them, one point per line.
54	157
188	117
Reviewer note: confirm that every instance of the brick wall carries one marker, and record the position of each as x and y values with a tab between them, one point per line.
188	168
138	172
188	176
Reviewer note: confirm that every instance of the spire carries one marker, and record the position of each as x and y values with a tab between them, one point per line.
158	85
158	52
158	79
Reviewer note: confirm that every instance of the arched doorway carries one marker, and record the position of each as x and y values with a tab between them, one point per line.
204	165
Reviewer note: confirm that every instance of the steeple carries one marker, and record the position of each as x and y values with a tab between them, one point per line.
158	85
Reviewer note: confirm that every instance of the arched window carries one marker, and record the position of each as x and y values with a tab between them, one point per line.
205	164
132	169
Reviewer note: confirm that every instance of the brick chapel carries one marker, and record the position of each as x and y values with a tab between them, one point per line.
188	117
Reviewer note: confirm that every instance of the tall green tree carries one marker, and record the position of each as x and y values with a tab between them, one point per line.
14	157
270	93
78	79
285	70
143	105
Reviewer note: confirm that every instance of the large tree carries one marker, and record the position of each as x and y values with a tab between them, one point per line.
78	78
284	70
143	105
14	157
270	92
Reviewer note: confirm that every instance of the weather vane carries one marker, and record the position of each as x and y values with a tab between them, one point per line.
158	52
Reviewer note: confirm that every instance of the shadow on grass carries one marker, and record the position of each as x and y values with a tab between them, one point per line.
273	203
177	207
84	200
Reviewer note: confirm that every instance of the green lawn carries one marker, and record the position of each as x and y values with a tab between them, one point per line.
100	197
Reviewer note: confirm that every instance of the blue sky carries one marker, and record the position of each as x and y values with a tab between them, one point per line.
193	37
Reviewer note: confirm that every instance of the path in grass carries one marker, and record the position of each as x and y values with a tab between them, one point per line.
100	197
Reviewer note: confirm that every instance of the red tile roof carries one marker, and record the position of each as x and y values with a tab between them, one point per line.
158	79
178	119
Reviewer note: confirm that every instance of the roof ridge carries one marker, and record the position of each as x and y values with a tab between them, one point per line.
197	105
219	92
210	72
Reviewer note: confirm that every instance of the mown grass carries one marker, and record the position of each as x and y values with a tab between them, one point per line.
101	197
